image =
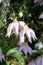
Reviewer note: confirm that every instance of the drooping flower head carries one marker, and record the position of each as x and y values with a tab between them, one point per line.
24	29
26	49
29	32
13	26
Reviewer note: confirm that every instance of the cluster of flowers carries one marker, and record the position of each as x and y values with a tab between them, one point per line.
38	61
20	28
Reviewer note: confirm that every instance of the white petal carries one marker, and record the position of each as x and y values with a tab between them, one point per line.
9	29
22	33
13	26
16	28
32	34
28	35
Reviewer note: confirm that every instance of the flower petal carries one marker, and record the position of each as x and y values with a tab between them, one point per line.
31	34
28	35
13	26
31	63
26	49
22	33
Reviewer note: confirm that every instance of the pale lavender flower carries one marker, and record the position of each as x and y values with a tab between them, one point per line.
39	60
41	16
13	26
30	35
31	63
39	45
1	55
26	49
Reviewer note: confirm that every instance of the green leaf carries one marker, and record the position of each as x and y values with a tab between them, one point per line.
18	56
8	62
15	53
12	51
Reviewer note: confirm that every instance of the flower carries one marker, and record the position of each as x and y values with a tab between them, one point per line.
39	60
30	35
39	45
13	26
41	16
26	49
24	29
1	55
31	63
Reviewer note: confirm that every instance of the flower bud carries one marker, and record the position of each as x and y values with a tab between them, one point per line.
20	14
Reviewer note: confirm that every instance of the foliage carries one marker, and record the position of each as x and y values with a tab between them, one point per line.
29	12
